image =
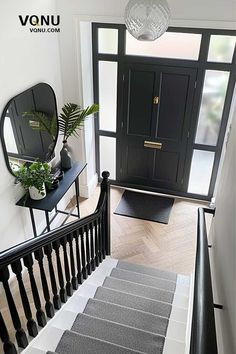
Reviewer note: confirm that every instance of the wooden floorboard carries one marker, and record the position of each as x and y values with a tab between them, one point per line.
170	247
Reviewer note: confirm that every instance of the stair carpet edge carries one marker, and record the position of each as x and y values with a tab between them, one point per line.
82	294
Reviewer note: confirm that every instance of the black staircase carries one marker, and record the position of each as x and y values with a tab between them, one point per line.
62	258
78	248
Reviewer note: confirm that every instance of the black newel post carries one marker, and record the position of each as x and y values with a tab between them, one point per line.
105	188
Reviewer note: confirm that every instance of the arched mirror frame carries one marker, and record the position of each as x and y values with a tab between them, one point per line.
3	117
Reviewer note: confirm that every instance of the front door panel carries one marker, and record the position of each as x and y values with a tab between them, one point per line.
154	127
139	98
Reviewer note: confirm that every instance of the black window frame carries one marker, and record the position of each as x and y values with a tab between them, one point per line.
201	65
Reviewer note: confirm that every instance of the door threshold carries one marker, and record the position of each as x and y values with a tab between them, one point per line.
133	189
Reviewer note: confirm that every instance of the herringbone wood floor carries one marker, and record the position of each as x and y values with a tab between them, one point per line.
170	247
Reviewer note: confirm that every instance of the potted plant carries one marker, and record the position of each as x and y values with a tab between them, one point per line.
33	179
71	119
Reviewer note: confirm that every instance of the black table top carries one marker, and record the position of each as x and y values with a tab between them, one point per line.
54	196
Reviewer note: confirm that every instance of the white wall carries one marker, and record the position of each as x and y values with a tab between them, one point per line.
26	59
223	253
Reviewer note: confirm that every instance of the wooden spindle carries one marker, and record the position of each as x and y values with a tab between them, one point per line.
78	259
56	298
87	249
48	305
96	243
100	239
40	315
103	235
31	324
84	268
69	288
56	246
8	346
74	279
20	333
91	232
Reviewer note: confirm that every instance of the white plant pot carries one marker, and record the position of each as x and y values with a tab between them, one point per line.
35	194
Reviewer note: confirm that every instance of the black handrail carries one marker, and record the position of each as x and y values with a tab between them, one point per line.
203	333
88	242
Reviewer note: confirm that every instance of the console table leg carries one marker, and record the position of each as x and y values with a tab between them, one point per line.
77	194
33	222
47	220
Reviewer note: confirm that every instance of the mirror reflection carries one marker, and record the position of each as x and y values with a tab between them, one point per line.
29	126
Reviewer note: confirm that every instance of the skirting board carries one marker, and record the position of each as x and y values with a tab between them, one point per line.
86	190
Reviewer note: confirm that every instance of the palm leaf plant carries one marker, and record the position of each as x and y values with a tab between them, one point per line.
72	118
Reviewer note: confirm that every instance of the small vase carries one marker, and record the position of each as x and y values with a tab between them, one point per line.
70	150
66	161
35	194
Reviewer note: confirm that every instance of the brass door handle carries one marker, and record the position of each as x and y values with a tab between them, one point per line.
152	145
155	100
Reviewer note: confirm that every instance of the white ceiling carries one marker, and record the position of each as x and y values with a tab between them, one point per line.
212	10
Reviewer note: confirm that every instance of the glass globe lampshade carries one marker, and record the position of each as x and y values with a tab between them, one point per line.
147	20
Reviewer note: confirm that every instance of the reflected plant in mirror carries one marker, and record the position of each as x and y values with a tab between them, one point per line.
29	127
41	122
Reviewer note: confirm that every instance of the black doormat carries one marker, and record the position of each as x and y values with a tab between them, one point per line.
145	206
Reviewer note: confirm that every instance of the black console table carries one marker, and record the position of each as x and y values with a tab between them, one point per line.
53	197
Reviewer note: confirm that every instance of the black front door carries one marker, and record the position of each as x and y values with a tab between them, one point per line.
154	125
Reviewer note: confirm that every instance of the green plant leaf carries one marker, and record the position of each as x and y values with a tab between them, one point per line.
34	175
72	118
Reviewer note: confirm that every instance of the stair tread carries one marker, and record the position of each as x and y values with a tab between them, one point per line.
133	301
75	343
143	279
127	316
138	289
118	334
137	268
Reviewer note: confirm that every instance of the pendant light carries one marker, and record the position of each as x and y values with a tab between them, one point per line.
147	20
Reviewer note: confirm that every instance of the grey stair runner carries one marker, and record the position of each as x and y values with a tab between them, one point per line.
143	279
137	289
146	270
75	343
128	314
133	301
116	333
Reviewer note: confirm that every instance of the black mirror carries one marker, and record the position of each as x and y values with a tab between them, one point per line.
29	126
